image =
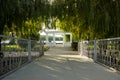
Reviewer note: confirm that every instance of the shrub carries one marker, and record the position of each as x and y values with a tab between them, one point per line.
11	48
46	48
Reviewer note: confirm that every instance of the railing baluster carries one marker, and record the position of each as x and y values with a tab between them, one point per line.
107	50
16	51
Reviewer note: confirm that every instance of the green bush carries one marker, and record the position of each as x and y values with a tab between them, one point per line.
75	46
46	48
38	48
11	48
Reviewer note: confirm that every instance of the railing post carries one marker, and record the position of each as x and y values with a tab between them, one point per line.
42	48
29	50
95	50
81	48
78	47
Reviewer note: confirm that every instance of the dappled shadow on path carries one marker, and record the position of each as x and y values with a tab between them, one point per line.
70	66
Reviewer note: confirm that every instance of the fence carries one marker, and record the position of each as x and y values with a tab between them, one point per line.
105	51
15	52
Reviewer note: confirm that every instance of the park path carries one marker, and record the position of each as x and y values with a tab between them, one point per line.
61	63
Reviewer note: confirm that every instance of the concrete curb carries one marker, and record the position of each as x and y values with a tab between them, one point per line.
108	67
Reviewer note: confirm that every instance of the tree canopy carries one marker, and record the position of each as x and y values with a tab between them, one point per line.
85	19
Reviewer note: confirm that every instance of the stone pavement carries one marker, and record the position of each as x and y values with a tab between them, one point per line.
63	64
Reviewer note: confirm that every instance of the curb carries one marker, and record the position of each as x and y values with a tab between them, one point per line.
108	67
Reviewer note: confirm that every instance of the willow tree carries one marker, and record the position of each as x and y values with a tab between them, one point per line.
89	18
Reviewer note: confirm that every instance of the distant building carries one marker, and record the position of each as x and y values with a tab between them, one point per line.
52	37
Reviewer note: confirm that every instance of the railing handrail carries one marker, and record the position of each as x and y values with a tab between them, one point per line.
107	39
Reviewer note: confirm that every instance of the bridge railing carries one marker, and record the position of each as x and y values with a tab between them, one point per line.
15	52
105	51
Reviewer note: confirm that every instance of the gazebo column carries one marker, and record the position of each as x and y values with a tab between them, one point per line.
54	39
70	38
47	41
64	40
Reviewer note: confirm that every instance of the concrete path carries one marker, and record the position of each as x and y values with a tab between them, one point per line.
63	64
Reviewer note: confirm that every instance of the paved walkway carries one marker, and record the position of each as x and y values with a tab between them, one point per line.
63	64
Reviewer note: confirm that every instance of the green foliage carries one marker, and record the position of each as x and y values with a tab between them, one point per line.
46	48
30	29
11	47
85	19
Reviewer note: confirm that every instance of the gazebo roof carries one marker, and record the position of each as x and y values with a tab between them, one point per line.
52	31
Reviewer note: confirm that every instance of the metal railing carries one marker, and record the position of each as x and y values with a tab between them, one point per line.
15	52
105	51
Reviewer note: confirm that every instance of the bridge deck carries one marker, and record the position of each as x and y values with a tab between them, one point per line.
63	64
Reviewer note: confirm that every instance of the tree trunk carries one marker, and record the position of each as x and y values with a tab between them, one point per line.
1	32
1	53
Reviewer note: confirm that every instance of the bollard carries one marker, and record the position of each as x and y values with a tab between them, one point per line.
29	50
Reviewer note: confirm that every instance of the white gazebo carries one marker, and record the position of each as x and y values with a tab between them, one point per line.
52	37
